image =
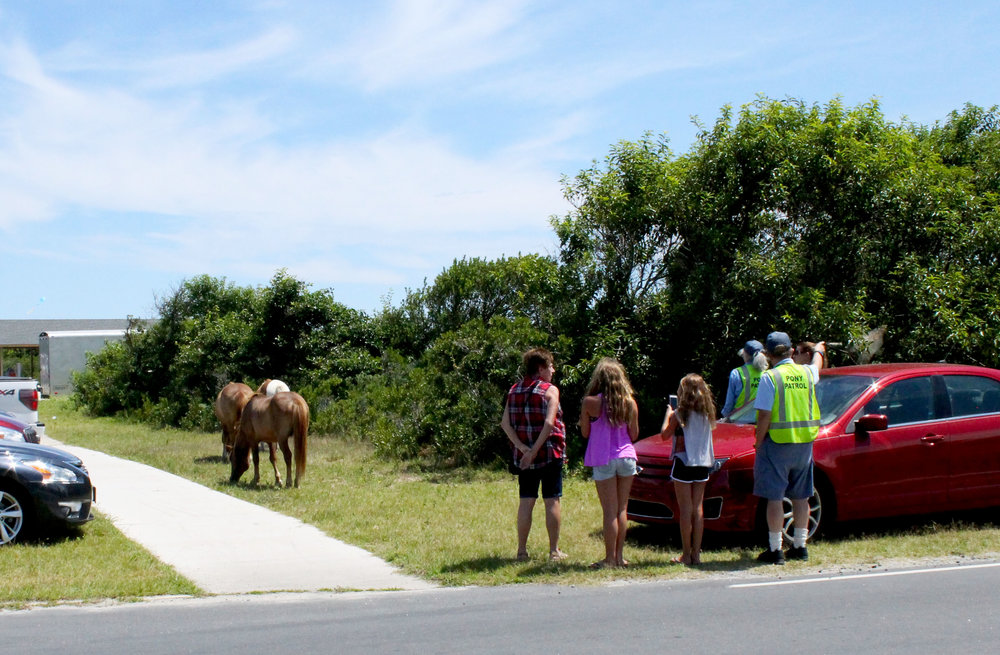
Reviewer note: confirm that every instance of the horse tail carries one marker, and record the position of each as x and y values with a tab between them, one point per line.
300	428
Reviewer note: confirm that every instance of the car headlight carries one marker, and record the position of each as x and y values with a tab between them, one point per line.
719	461
11	434
52	473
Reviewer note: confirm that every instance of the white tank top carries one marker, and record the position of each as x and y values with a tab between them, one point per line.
698	450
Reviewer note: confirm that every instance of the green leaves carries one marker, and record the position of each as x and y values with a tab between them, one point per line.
825	221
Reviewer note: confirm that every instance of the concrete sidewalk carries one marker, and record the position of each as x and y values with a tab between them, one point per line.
223	544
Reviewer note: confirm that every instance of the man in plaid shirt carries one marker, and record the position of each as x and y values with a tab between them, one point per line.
532	421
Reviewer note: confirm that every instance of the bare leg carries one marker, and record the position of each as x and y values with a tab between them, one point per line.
683	492
553	521
607	493
775	516
697	520
624	487
524	510
800	513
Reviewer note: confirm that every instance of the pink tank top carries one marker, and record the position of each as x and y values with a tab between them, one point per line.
607	442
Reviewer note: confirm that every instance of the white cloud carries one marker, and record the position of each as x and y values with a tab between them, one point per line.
185	69
238	196
420	41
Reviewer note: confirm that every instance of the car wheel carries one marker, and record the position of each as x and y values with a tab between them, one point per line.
815	516
14	515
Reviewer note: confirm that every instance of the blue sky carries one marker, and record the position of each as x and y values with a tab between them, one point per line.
363	146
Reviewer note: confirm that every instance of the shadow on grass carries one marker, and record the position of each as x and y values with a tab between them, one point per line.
979	519
52	535
739	548
669	537
480	565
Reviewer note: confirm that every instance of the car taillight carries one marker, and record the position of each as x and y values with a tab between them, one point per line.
29	398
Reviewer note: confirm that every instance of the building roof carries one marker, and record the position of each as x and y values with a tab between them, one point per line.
24	333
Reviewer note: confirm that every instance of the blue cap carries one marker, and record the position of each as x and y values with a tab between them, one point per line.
776	339
752	347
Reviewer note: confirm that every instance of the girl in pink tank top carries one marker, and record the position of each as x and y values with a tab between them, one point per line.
609	420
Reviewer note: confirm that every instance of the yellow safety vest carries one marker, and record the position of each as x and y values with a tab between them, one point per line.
750	377
795	415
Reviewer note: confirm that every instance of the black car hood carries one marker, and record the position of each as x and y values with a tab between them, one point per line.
20	447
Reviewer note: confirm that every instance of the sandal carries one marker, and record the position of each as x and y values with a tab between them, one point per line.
523	557
557	556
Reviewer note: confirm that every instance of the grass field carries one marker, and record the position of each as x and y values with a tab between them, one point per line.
455	527
89	564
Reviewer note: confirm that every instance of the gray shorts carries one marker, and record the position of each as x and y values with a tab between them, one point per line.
623	467
783	469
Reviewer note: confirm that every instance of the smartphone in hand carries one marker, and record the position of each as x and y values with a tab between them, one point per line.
673	401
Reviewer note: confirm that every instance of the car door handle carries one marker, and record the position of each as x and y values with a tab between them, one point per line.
931	439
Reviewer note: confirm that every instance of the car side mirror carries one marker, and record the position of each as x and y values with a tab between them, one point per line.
870	423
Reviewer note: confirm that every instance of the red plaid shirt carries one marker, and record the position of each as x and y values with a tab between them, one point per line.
527	408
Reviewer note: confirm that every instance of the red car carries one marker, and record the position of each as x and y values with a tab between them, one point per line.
895	439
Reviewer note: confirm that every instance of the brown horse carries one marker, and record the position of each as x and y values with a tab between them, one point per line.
271	419
228	407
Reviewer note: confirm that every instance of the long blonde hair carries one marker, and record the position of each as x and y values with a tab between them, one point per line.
694	395
610	379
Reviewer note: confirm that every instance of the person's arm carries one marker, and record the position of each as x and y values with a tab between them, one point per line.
819	356
508	429
764	404
552	410
732	392
633	424
590	410
763	425
670	424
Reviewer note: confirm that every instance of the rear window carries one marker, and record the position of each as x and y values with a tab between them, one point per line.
972	394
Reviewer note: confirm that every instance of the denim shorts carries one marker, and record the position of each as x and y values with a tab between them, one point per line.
783	469
622	467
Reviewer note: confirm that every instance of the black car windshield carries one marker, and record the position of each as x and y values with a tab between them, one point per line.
834	392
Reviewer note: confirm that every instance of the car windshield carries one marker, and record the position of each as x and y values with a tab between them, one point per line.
834	392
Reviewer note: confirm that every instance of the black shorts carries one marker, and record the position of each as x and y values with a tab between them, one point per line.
550	476
681	472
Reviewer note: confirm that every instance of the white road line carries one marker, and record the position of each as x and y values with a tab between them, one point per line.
835	578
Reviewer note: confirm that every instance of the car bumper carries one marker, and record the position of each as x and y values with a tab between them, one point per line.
64	503
729	501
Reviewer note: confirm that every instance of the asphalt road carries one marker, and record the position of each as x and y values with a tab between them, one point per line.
911	611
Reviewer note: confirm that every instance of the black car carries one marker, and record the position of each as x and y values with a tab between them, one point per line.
40	487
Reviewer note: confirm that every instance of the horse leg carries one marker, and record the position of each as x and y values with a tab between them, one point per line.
287	452
274	464
256	464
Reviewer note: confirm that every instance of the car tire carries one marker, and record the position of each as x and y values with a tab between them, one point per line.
816	510
15	514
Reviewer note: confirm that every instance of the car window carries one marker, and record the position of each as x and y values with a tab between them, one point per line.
907	401
836	393
972	394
